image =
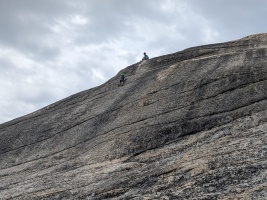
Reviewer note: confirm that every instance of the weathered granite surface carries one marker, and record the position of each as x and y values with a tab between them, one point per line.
189	125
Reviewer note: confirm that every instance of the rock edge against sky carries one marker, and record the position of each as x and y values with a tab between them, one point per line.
188	125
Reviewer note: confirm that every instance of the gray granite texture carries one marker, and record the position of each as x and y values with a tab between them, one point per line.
188	125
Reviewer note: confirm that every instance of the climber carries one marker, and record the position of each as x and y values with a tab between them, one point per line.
145	56
122	80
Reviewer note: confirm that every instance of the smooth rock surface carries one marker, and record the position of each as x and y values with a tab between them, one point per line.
189	125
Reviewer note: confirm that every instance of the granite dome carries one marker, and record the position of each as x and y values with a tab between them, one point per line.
188	125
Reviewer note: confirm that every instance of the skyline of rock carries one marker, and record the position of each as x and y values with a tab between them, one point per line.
188	125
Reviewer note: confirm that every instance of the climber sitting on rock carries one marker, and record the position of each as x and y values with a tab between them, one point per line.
145	56
122	80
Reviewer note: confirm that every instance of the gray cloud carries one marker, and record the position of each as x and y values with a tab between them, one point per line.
52	49
233	19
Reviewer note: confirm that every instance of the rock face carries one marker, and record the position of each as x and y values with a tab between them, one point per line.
189	125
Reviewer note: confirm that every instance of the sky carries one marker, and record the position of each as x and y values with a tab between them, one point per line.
51	49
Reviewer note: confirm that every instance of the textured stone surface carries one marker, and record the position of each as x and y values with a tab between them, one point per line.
189	125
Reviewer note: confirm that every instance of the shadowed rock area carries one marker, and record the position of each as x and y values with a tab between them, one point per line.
188	125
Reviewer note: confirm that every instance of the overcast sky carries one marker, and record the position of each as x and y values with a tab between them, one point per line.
51	49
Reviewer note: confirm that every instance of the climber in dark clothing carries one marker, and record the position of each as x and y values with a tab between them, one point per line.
122	80
145	56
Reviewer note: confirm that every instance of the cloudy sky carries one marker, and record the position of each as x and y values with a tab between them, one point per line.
51	49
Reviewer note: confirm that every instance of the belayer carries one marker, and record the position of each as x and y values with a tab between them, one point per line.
145	56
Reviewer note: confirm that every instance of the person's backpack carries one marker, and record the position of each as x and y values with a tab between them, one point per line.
147	57
122	77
